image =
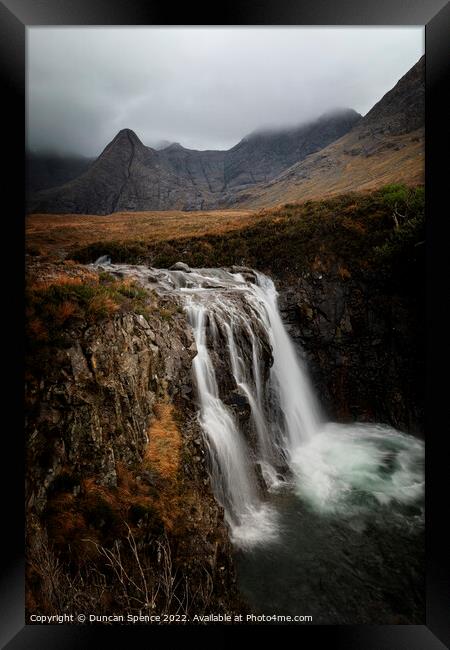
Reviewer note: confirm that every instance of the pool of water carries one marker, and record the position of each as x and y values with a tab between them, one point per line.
350	543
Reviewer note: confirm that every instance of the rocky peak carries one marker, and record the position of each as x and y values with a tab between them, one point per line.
175	146
402	109
127	133
125	140
340	113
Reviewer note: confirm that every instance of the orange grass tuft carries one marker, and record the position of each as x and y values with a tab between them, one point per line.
102	305
64	311
163	450
344	272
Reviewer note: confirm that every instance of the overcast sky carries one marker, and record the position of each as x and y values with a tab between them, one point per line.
203	87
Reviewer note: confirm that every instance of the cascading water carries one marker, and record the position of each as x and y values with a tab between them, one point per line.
234	484
244	350
225	308
297	403
301	495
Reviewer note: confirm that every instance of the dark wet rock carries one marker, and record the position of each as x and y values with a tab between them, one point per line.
248	274
360	343
98	396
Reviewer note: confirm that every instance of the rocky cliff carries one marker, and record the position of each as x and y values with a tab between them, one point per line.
265	154
116	474
363	346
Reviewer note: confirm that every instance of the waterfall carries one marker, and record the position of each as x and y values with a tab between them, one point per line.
260	419
103	260
297	402
234	484
233	318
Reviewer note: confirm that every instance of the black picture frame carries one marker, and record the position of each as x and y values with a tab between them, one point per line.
15	17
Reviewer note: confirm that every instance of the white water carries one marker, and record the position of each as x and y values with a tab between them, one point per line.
302	418
347	469
235	486
334	468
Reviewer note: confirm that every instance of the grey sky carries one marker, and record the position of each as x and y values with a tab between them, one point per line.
203	87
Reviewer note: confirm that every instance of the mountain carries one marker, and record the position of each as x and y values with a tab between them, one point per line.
387	145
46	170
161	144
264	154
128	176
338	152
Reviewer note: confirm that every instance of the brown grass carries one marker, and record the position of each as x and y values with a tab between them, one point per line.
344	273
65	311
70	274
102	305
66	294
71	520
50	233
332	171
163	451
37	329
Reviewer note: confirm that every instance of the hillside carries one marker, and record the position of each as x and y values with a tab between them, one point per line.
47	170
386	146
338	152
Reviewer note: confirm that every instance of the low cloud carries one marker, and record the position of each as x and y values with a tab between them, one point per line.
203	87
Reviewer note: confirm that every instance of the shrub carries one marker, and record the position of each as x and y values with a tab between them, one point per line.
58	304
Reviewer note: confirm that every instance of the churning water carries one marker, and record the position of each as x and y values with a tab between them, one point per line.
300	494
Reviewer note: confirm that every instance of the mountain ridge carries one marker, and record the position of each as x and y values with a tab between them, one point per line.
130	176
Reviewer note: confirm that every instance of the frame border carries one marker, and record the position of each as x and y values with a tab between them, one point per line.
15	16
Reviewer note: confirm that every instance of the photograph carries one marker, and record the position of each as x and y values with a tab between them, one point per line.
224	305
224	279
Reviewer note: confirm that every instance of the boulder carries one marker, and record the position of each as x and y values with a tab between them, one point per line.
180	266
